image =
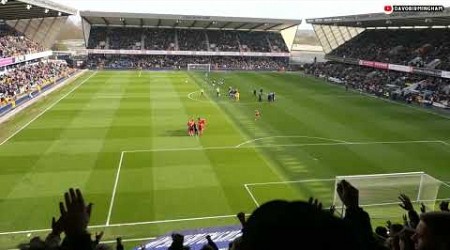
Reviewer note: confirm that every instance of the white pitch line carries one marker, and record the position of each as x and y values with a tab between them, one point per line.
130	224
251	195
290	136
287	182
169	221
197	100
47	109
278	145
113	196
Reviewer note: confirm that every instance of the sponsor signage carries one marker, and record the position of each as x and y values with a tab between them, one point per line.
401	68
445	74
195	239
377	65
6	61
428	72
37	55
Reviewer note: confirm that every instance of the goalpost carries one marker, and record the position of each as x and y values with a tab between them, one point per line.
380	192
199	67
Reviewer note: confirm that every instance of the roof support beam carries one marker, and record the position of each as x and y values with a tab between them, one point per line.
89	22
141	22
258	25
209	24
106	21
225	25
240	26
159	23
193	24
271	27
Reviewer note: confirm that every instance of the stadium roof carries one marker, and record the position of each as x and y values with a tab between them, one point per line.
29	9
396	19
185	21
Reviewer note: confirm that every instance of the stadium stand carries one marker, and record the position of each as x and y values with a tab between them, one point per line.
23	78
13	43
181	62
173	42
406	57
26	29
223	41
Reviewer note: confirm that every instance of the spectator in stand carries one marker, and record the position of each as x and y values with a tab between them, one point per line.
223	40
192	40
181	62
177	243
291	225
23	78
12	43
415	47
253	41
433	231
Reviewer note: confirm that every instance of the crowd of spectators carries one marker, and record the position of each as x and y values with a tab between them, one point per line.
254	41
415	47
97	38
12	43
125	38
181	62
277	43
159	39
22	79
223	41
185	39
391	84
279	224
192	40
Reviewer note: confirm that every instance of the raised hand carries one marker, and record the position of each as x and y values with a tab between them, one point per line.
241	217
332	209
315	203
98	237
406	202
75	215
423	209
388	224
57	226
444	206
348	194
405	220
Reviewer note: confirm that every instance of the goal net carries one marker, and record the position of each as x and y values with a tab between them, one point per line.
379	193
199	67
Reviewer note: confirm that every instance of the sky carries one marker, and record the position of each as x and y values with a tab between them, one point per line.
282	9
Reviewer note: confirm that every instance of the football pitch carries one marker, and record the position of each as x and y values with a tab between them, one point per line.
121	137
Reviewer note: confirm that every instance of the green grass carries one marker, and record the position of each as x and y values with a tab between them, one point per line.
167	175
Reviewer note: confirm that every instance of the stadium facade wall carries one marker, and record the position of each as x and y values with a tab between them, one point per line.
4	62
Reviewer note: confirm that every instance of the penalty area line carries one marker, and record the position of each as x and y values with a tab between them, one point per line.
113	195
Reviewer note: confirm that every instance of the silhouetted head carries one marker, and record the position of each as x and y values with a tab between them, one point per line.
295	225
433	231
